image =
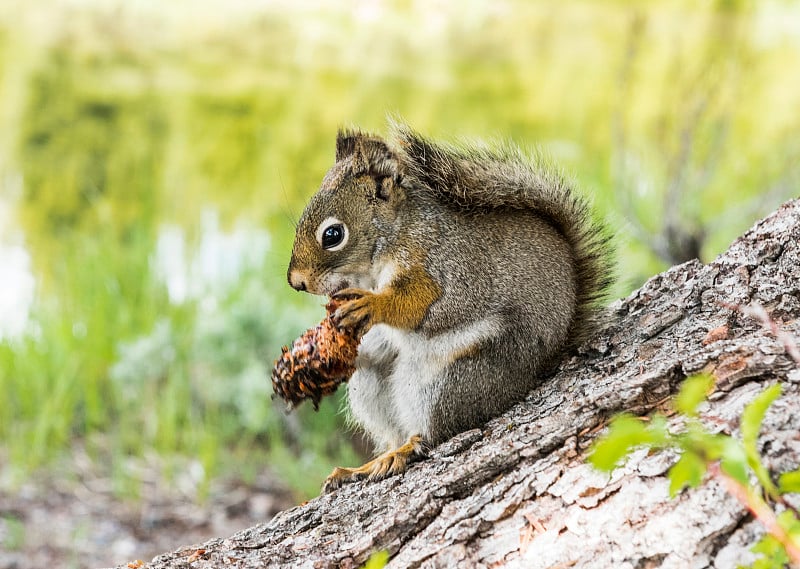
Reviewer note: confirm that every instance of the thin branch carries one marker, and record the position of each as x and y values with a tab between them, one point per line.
757	312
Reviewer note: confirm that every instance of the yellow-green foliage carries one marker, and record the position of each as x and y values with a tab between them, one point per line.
120	125
702	450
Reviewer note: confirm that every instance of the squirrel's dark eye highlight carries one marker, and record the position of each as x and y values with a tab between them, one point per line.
332	236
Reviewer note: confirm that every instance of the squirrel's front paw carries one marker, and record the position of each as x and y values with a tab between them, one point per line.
357	311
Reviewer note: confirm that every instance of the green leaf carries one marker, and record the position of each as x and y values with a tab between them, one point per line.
698	439
789	482
693	392
789	522
734	461
773	552
753	415
624	433
688	471
377	560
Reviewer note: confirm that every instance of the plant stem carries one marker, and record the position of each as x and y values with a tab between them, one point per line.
760	509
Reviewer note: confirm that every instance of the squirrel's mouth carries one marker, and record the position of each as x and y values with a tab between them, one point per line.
336	286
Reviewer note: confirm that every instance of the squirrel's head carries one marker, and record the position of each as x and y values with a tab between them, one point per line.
350	220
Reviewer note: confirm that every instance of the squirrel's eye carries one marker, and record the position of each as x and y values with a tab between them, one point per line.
332	234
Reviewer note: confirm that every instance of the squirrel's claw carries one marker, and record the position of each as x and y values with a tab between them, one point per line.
356	313
387	464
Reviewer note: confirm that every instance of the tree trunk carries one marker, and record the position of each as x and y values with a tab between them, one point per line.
518	493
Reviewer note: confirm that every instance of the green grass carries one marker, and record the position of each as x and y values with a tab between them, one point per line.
124	126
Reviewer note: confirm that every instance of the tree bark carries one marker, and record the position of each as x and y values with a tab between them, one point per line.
518	492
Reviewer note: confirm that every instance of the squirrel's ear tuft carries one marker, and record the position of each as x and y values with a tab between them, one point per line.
370	154
346	143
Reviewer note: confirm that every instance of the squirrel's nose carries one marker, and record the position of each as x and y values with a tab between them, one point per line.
297	281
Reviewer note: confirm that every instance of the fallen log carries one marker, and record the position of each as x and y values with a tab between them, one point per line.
518	492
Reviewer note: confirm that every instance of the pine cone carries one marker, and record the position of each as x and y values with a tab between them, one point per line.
319	361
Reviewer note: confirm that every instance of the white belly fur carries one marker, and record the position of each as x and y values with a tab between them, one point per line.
397	406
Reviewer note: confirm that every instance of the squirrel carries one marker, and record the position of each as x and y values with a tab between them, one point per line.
468	270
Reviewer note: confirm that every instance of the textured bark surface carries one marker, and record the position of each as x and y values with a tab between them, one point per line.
518	493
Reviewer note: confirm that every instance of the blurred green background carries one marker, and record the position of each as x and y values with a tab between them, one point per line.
153	158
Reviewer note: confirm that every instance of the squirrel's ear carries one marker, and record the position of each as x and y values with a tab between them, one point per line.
370	154
364	148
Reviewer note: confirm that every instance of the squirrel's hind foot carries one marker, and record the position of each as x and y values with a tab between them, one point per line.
387	464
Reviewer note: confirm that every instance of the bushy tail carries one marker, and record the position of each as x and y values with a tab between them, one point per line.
475	178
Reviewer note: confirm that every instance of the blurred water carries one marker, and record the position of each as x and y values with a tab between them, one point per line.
189	272
218	260
17	287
